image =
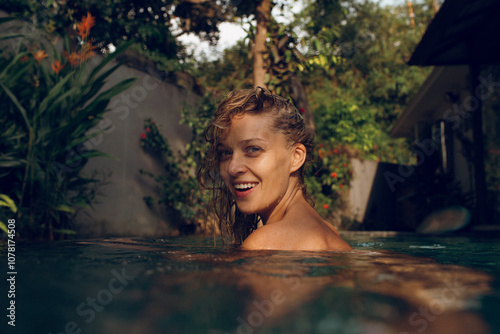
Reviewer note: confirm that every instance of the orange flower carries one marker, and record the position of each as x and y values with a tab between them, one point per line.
87	51
326	206
57	66
73	58
84	27
40	55
334	175
341	186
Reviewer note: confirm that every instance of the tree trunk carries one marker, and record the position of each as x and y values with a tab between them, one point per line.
300	100
262	14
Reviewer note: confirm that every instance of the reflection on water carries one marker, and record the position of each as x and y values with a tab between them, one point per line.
188	286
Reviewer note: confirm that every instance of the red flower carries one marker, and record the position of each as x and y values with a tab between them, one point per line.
148	130
326	206
88	51
40	55
84	27
320	145
72	58
345	165
335	151
143	136
302	110
334	175
57	66
341	186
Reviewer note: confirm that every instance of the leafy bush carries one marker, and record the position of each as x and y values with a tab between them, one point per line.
344	131
50	100
179	190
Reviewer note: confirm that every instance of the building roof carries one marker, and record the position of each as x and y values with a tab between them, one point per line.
462	32
433	99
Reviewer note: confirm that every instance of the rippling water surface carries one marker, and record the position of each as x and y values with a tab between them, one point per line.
390	283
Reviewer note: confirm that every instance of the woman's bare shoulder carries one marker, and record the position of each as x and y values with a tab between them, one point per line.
312	235
265	237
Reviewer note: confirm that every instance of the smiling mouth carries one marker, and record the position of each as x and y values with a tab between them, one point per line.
241	187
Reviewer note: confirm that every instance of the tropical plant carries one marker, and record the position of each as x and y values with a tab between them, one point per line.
7	202
50	100
155	26
179	188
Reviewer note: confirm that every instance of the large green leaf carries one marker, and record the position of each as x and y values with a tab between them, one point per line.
53	94
8	202
3	227
95	86
16	102
15	61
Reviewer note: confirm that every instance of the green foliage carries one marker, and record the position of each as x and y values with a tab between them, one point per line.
371	44
6	201
344	131
154	25
329	177
49	104
344	122
232	71
179	189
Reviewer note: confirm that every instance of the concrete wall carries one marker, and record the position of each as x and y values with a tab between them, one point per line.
378	196
121	210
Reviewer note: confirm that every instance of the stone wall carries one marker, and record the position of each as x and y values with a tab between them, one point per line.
120	209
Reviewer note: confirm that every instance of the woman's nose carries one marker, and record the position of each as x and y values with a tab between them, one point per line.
236	165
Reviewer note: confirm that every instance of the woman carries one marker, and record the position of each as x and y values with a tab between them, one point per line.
258	147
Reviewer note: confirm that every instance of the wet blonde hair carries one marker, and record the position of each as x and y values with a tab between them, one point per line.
287	120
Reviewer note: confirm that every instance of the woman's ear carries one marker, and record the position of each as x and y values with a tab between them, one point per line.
299	154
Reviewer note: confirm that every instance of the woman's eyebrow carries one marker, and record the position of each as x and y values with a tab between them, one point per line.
248	141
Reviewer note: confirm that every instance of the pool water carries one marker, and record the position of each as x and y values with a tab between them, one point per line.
390	283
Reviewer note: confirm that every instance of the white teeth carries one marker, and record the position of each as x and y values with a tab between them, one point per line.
243	186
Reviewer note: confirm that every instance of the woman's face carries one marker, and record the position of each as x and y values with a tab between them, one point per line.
255	162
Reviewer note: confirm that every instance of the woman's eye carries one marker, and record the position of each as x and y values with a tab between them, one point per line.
223	154
254	150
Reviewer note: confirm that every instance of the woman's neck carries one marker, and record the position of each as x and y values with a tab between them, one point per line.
278	213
